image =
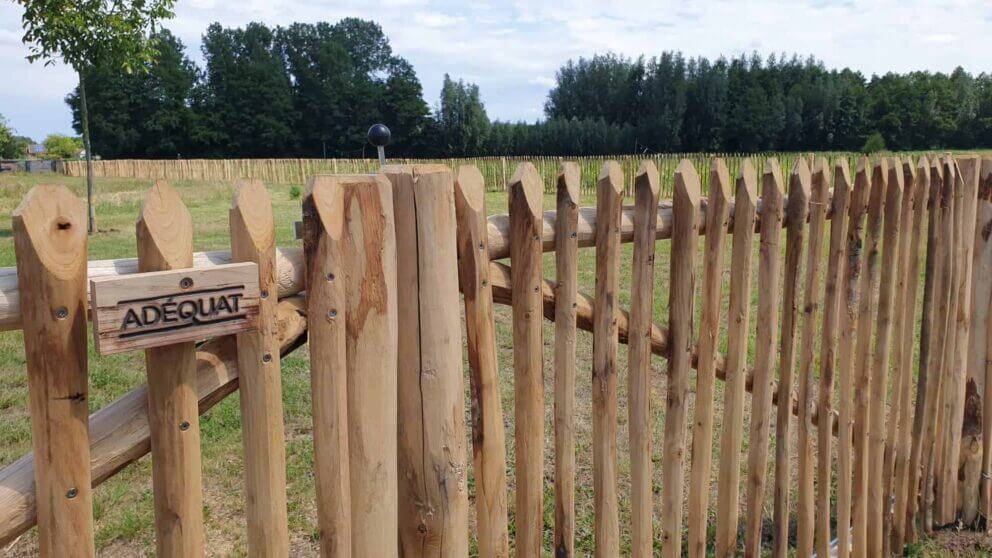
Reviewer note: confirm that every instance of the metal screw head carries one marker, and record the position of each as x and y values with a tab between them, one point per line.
331	314
482	246
267	358
62	313
330	277
71	493
184	426
573	235
264	294
185	282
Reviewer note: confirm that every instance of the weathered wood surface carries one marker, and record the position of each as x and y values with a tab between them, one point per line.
686	204
609	196
819	192
738	314
488	433
646	188
253	239
50	244
769	263
832	297
566	292
717	214
323	239
133	312
796	209
165	242
526	199
985	486
433	475
119	432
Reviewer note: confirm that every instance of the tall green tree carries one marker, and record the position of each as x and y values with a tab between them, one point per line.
83	33
461	118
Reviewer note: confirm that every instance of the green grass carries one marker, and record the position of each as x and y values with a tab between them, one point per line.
123	505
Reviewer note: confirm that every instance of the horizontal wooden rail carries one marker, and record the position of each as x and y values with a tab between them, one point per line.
119	432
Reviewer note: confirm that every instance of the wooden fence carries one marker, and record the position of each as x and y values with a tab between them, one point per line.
878	463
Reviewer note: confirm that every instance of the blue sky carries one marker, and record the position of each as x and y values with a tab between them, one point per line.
512	49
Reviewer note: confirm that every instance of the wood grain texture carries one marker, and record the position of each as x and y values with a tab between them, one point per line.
849	323
609	197
432	444
878	387
919	176
796	209
832	297
526	199
565	294
165	242
717	214
488	433
812	296
50	241
985	486
119	431
323	240
769	263
738	314
686	206
646	191
253	239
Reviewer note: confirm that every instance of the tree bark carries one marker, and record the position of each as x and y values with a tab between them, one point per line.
85	119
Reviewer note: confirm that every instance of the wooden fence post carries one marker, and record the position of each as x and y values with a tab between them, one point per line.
165	242
985	486
738	314
819	195
685	237
526	202
488	435
718	204
50	244
433	487
609	198
772	200
323	240
796	209
253	239
828	345
566	291
646	190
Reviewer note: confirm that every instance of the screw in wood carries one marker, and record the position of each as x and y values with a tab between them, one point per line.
330	277
267	358
185	283
264	294
71	493
184	426
331	314
62	313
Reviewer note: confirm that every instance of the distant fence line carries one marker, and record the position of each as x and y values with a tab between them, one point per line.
496	170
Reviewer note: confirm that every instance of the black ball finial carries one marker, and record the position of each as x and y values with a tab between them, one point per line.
379	135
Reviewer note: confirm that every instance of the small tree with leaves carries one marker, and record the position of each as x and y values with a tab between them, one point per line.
81	33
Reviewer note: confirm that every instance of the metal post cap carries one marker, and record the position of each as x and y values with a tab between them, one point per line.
379	135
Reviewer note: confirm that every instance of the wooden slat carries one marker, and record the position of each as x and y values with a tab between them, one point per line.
846	351
738	314
878	388
717	214
323	245
646	191
253	239
433	488
985	486
796	210
769	262
867	306
929	329
819	194
833	295
50	244
488	434
609	197
526	199
902	354
981	296
686	206
165	242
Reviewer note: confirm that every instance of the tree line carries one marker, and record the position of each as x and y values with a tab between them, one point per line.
312	90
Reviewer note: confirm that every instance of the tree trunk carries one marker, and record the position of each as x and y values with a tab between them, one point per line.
85	118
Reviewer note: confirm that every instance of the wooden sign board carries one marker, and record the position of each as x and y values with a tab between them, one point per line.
143	310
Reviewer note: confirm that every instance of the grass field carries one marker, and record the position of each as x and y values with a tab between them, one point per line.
123	505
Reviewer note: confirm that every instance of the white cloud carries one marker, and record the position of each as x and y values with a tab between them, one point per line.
511	47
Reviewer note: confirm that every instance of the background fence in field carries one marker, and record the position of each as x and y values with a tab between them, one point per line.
495	170
383	259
